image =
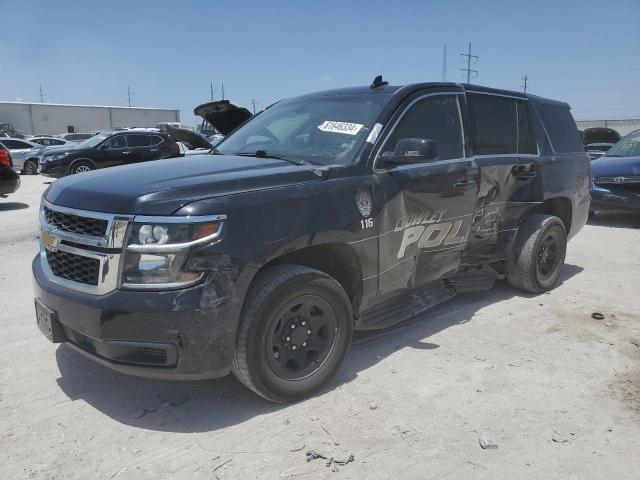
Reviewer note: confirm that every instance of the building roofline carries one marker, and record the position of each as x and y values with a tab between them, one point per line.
87	106
617	119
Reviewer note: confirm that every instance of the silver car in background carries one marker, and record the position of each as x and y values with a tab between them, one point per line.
25	154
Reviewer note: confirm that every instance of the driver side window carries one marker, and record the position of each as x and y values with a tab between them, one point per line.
118	142
434	118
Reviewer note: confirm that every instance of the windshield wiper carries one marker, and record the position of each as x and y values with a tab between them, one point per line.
264	154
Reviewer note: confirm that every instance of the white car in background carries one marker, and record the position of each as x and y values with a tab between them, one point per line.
24	153
51	141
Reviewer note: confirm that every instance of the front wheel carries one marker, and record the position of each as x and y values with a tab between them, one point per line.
538	253
81	167
294	332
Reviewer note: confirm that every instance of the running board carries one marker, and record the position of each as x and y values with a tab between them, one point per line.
404	306
478	280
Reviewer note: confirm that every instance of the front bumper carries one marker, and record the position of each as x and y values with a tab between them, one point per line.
52	170
611	197
180	335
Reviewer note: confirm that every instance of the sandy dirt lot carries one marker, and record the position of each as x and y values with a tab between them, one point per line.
557	391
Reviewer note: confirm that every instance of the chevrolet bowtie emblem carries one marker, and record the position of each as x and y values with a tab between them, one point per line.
49	241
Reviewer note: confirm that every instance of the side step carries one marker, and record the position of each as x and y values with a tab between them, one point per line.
478	280
404	306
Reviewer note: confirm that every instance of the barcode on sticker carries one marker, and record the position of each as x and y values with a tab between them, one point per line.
340	127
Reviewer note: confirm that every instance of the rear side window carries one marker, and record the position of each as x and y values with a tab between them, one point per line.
494	127
435	118
561	128
15	145
139	140
526	136
156	140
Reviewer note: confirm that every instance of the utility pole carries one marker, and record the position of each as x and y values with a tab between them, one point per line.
211	87
524	83
444	63
41	95
469	59
223	91
129	93
253	104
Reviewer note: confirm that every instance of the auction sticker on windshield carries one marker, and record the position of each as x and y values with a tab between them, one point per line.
341	127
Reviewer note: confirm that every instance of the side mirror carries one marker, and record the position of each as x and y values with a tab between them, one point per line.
104	146
412	150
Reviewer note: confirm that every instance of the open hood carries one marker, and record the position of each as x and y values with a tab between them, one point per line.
600	135
223	115
193	140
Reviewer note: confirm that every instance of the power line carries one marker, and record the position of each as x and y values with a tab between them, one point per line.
524	83
253	104
468	69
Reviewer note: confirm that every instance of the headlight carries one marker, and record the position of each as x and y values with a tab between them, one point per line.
157	250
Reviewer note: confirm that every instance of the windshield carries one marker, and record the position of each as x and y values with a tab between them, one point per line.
93	141
629	146
324	130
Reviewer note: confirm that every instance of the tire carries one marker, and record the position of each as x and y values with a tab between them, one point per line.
528	266
30	167
81	167
274	359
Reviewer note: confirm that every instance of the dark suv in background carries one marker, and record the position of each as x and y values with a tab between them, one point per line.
109	149
9	179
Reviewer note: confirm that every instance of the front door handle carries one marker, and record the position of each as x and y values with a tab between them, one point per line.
521	173
465	184
126	153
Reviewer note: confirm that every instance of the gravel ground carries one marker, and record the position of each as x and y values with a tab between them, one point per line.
555	390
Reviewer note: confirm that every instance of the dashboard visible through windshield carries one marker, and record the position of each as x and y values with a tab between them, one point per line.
325	130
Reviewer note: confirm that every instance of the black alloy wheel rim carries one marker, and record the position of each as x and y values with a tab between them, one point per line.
28	168
548	256
301	337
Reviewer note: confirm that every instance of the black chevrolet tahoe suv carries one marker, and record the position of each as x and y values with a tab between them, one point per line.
109	149
326	213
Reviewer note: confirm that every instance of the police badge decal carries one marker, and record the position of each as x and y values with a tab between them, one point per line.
363	201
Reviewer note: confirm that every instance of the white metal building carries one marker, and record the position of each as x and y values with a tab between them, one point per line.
51	118
620	125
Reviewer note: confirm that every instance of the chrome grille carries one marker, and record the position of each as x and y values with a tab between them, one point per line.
76	224
617	179
74	267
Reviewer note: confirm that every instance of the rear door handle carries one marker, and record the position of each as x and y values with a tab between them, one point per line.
126	153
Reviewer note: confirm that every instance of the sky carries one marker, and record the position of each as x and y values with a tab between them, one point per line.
586	53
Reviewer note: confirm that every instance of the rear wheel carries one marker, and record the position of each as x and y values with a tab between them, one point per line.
294	332
30	167
81	167
538	254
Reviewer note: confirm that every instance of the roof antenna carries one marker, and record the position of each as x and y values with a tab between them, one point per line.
378	82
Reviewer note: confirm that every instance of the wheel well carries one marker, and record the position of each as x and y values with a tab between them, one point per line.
558	206
337	260
86	160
